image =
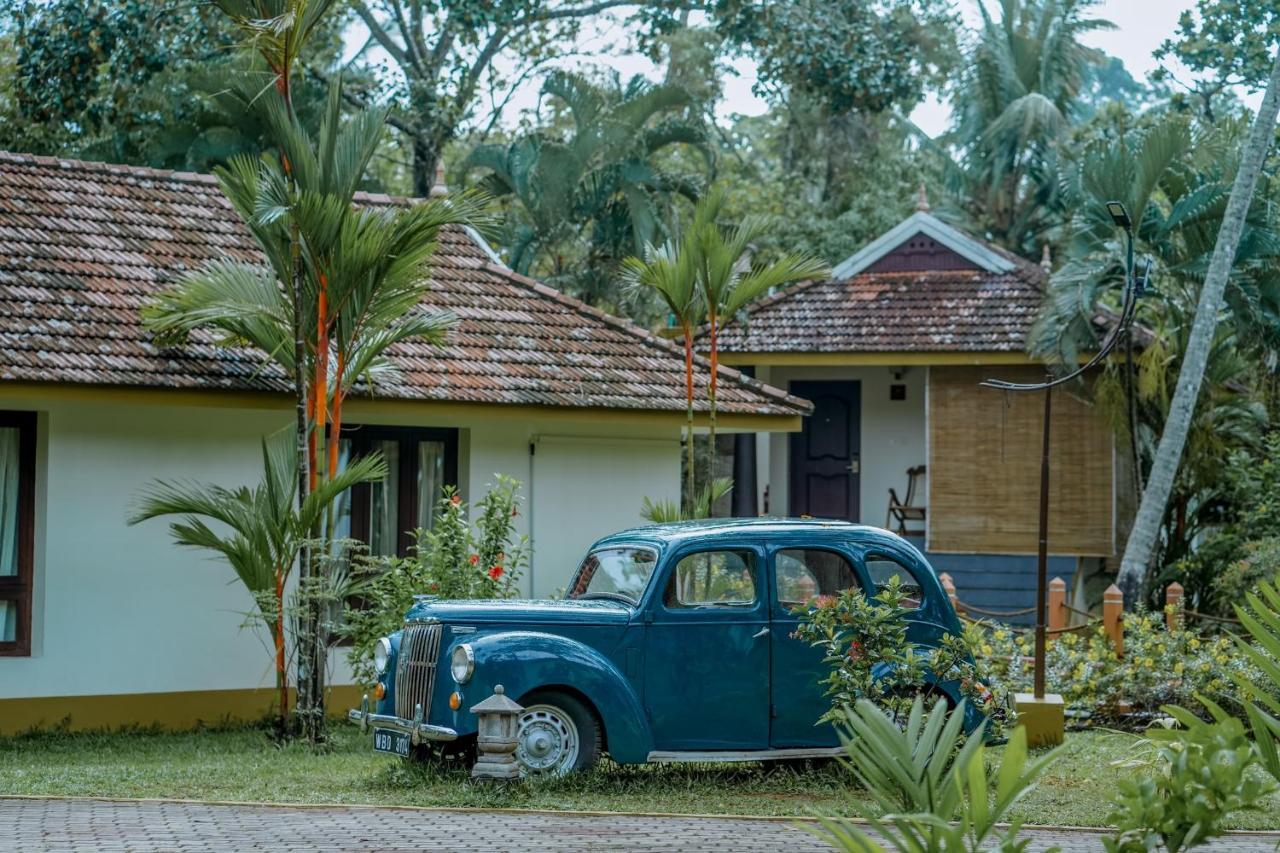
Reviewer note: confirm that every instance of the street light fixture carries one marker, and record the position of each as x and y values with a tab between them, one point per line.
1132	290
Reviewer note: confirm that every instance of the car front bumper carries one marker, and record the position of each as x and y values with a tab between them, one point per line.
417	730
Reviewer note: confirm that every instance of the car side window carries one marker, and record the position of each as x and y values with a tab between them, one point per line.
711	579
805	573
882	570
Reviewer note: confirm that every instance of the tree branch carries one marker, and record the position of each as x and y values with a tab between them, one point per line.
398	53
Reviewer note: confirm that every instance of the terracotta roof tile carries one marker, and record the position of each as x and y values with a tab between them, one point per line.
918	311
84	245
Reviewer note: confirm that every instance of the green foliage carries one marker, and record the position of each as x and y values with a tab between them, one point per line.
451	560
1227	42
1202	776
1017	95
866	648
929	785
1261	619
852	56
585	199
1159	667
667	511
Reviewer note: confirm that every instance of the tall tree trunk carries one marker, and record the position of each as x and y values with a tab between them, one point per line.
427	148
690	488
1146	525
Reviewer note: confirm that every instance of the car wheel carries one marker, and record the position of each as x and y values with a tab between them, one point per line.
556	734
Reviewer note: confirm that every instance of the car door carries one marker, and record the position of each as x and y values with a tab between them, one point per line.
707	651
800	573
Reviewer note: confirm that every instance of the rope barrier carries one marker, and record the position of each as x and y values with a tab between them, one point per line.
1199	615
997	614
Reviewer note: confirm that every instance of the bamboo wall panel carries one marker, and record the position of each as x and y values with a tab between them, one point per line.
984	468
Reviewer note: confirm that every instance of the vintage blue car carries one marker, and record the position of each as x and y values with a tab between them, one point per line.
673	643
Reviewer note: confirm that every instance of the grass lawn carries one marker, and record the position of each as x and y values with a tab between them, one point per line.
242	764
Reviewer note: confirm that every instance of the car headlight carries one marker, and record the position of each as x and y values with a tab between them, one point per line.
381	654
462	663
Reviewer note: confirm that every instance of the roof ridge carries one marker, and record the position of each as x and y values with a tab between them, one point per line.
72	163
643	334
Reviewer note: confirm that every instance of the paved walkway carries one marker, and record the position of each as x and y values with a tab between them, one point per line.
39	824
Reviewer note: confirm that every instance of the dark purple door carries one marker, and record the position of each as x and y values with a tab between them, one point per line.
825	460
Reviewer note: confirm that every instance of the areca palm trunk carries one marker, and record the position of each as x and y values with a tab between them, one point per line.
714	359
690	483
1140	548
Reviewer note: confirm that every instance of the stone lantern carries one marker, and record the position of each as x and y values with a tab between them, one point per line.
496	737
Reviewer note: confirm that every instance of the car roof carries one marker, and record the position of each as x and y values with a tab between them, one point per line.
675	533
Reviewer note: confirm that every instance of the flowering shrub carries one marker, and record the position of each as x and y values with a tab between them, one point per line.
1160	666
870	657
450	560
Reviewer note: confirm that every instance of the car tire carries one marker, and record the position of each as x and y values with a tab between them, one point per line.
557	733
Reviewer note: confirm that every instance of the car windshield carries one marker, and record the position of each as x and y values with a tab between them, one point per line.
614	573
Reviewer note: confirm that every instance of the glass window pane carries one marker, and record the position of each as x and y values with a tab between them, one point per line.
615	572
8	500
342	506
8	621
804	573
384	503
430	481
882	570
713	578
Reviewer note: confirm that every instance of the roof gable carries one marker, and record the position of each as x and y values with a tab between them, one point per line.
922	222
83	246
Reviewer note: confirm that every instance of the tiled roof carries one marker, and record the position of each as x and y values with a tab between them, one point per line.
922	286
912	311
83	245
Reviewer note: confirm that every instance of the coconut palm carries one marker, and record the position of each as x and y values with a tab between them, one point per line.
260	530
728	279
1013	104
596	195
1155	497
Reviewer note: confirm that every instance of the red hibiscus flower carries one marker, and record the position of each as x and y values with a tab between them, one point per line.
474	558
495	572
855	650
455	500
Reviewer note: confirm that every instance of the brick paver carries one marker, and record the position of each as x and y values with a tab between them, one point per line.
55	824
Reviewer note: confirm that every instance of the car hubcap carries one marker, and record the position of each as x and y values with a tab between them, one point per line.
546	741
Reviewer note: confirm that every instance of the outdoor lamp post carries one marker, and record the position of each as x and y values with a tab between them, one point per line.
496	737
1044	714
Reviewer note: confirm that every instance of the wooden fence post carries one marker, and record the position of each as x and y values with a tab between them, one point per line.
1057	604
1173	605
949	587
1112	612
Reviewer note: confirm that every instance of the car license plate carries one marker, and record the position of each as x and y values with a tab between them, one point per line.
389	740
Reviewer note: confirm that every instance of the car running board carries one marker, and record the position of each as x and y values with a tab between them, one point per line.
725	755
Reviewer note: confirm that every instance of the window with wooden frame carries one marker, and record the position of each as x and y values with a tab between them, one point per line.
17	530
420	463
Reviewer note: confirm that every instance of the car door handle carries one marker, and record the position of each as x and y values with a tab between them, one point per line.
761	633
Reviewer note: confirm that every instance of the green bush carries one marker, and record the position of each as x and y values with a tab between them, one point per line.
451	560
865	645
1203	774
1159	667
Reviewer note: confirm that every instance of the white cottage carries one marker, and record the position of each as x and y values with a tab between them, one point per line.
104	624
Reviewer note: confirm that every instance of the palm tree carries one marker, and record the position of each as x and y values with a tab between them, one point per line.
1155	497
359	276
596	195
670	271
261	530
729	281
1013	104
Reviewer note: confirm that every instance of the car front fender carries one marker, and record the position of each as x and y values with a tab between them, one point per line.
524	661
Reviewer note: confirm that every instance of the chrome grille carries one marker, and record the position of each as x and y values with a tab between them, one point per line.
416	668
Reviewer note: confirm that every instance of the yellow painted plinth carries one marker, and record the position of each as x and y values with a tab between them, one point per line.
1043	718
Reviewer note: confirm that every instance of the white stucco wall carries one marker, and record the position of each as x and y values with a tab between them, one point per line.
121	609
893	435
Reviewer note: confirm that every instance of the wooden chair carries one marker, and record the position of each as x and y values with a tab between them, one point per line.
903	511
